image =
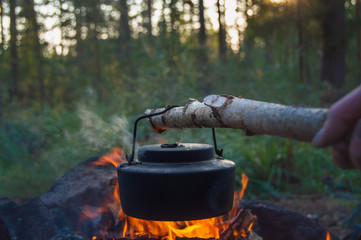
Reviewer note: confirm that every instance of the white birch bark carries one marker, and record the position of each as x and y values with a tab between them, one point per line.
254	117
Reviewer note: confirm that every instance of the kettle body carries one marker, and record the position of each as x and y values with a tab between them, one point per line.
175	182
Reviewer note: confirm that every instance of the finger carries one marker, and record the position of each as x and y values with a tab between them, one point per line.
355	146
341	117
332	132
340	156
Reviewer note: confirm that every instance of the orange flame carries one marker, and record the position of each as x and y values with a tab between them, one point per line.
328	236
132	227
115	157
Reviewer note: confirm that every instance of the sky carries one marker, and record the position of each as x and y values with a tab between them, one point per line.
52	35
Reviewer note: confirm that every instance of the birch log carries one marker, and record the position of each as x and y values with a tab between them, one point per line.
254	117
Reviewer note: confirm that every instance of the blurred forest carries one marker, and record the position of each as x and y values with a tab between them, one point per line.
76	73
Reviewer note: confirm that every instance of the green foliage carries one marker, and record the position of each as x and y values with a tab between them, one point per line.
41	144
94	93
39	147
279	167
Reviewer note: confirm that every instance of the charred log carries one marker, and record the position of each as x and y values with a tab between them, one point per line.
67	236
275	222
241	224
31	220
85	184
57	212
4	232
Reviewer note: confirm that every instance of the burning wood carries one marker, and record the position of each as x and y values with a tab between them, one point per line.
254	117
134	228
84	204
240	226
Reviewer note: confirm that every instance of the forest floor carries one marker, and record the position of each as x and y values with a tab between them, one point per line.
329	212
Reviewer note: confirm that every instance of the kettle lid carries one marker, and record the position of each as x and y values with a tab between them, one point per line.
175	153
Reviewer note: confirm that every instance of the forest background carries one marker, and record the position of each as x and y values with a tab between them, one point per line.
76	73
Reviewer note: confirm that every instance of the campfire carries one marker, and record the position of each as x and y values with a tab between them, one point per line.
85	204
224	227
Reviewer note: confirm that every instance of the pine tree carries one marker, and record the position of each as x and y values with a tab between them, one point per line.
14	61
334	51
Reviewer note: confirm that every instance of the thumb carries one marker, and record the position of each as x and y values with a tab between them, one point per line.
341	118
333	130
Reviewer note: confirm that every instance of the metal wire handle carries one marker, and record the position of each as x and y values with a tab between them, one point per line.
130	158
217	151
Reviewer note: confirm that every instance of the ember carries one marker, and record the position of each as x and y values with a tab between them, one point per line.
133	227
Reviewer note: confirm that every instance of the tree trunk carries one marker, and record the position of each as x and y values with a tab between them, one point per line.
248	41
202	29
80	66
221	31
172	8
149	16
34	32
96	64
78	25
98	68
300	42
239	27
2	26
333	59
79	47
192	14
1	51
358	40
125	51
93	19
203	58
62	25
202	37
124	31
14	62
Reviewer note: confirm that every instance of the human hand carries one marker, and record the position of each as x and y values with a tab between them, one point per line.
342	131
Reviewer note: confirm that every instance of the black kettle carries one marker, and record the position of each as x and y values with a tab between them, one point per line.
176	182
